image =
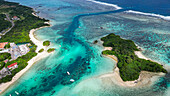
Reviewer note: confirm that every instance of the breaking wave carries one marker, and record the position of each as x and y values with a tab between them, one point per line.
131	11
107	4
149	14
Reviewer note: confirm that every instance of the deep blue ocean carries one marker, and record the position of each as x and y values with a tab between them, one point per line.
75	25
161	7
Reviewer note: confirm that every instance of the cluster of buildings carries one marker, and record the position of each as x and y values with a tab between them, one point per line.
15	51
7	71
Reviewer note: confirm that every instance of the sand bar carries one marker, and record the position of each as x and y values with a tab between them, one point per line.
145	78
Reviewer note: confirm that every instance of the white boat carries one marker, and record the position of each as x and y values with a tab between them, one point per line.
72	80
68	73
10	95
16	92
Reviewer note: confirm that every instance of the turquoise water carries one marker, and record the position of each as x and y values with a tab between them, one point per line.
76	24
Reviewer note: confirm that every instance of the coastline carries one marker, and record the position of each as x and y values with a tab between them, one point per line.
38	57
145	78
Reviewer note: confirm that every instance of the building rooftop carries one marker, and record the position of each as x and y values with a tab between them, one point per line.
2	45
6	61
15	17
12	65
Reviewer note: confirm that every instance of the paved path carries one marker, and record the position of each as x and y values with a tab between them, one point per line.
4	51
13	24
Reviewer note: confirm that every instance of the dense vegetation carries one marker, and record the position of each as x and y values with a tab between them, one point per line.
46	43
50	50
129	64
4	23
4	56
20	32
7	46
41	50
2	65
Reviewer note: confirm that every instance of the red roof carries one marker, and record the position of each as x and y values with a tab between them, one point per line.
6	61
15	17
2	45
12	65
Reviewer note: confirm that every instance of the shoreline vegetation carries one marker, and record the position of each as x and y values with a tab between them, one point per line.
132	66
23	32
145	78
50	50
46	43
41	50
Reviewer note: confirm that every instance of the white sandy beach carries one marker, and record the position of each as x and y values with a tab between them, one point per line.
140	55
145	78
39	56
107	48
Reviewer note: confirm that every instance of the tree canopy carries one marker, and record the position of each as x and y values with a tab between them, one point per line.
129	64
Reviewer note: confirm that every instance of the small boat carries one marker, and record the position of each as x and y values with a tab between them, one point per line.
72	80
68	73
16	92
10	95
59	45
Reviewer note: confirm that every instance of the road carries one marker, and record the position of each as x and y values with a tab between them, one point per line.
13	24
4	51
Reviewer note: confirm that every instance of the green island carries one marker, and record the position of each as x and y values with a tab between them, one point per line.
50	50
46	43
41	50
129	64
19	33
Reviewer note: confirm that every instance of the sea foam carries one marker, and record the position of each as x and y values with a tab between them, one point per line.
107	4
131	11
149	14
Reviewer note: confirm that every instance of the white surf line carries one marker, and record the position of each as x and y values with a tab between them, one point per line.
98	2
131	11
149	14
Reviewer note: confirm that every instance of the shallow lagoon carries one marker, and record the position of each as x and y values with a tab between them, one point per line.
83	59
